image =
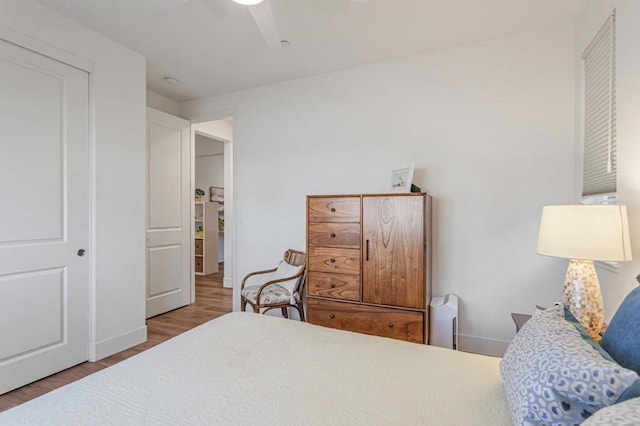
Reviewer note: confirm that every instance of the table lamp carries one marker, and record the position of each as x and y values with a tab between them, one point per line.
584	233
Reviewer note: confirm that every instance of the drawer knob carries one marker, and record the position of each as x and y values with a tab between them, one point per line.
333	235
390	325
332	285
332	316
333	261
333	209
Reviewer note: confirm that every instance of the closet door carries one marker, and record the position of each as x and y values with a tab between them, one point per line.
45	255
394	242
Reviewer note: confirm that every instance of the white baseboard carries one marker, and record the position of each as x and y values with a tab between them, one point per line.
227	283
482	345
117	344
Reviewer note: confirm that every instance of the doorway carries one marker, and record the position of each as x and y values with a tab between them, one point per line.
212	183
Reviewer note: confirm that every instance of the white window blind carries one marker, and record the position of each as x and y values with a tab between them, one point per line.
600	165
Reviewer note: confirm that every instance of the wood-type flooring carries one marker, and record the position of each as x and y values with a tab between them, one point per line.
212	301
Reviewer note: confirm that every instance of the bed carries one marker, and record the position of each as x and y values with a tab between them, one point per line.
244	368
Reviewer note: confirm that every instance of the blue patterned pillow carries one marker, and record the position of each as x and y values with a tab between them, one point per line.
552	376
623	414
622	338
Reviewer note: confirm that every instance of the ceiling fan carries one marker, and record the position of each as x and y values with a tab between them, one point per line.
260	11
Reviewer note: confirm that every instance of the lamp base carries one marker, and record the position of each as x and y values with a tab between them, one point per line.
582	296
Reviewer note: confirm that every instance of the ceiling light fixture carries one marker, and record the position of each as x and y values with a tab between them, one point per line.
284	43
248	2
171	80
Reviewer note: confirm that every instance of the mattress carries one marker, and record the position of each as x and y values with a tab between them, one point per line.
245	368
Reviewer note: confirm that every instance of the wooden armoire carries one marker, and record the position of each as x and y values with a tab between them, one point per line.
369	263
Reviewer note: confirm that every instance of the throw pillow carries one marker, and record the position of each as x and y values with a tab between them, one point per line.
552	376
624	414
287	270
622	337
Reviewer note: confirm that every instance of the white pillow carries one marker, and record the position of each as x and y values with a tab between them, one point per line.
286	270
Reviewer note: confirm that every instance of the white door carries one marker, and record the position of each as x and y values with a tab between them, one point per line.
168	212
44	216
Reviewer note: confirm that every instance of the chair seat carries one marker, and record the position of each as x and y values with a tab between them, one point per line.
272	294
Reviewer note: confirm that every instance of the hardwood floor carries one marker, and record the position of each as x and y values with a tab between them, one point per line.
212	301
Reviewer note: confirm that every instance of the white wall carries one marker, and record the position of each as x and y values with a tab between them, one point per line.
219	129
615	285
490	129
209	172
118	102
208	146
162	103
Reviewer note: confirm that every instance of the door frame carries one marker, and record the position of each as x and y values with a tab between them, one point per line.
50	51
233	238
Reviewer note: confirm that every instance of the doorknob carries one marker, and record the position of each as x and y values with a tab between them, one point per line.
81	252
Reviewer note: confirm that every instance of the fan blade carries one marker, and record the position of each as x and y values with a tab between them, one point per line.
263	16
161	6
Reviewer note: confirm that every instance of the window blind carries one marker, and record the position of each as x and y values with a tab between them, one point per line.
600	165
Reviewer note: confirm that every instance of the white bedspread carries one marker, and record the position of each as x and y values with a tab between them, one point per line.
253	369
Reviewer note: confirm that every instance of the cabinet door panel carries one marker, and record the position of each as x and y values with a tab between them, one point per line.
393	237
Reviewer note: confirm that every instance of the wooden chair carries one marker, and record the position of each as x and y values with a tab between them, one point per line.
278	287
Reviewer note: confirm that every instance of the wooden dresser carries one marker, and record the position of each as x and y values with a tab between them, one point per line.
369	264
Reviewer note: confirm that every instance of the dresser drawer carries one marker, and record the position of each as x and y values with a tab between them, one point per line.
343	261
336	286
386	322
339	209
345	235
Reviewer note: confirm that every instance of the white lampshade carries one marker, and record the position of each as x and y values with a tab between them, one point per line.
587	232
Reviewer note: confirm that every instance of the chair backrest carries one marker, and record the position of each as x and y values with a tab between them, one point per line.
295	257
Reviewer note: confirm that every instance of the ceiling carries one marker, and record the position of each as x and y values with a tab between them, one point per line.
219	49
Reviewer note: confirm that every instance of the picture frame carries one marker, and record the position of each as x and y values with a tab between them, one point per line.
216	194
401	179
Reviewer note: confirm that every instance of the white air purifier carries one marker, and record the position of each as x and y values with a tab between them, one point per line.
443	323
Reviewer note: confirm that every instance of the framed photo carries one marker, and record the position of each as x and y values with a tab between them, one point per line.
216	194
401	179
